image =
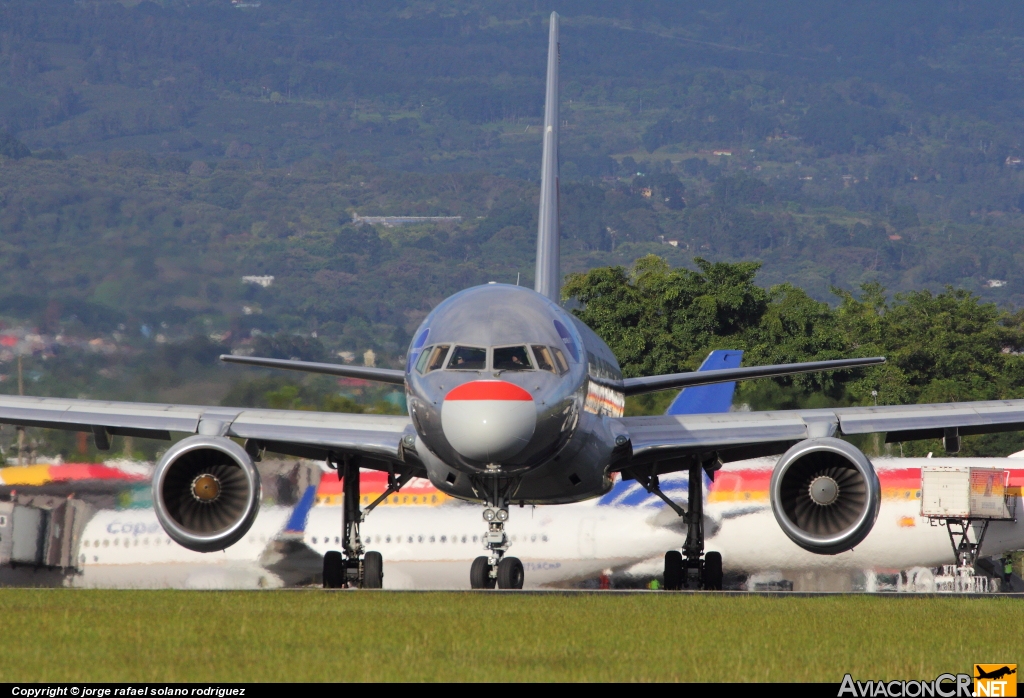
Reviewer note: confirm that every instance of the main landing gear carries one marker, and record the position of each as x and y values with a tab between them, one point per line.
691	568
494	568
353	566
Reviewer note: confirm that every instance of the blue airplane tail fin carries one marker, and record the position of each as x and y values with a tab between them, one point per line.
700	399
300	514
709	399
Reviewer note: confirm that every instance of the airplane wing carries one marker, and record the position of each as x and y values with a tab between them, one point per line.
315	435
740	435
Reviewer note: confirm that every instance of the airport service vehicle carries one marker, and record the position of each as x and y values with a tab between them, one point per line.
514	401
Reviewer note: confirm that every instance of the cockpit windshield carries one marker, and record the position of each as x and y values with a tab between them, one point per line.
512	359
468	359
517	358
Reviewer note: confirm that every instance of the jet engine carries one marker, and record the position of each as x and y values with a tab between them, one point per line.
206	493
825	495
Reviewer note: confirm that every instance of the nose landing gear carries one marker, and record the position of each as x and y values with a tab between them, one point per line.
494	568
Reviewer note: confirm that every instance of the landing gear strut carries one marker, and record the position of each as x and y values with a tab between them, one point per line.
691	568
352	566
494	568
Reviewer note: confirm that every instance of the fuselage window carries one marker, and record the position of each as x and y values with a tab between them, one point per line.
560	361
544	360
468	359
433	359
512	359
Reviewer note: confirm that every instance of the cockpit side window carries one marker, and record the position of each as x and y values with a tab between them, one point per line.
468	359
512	359
432	358
560	361
544	360
424	357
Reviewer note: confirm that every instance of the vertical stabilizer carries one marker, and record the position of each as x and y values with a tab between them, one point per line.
709	399
548	278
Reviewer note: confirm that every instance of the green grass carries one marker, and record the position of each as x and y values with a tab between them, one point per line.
79	635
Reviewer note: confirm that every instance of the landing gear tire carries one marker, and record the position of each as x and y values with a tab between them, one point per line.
334	570
673	570
480	574
373	571
510	573
712	574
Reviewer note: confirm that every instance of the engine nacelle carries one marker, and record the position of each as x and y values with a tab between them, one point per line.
825	495
206	493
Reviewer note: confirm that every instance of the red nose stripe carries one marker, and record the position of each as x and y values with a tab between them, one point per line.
488	390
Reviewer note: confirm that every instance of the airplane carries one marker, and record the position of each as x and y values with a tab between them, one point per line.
429	537
514	401
996	674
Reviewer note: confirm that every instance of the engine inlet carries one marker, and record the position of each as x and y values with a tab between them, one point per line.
825	495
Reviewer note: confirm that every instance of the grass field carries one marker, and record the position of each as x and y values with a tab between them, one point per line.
80	635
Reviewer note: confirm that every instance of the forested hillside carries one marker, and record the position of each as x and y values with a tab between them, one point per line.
152	154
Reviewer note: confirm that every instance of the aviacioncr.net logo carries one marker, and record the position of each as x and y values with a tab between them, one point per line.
943	686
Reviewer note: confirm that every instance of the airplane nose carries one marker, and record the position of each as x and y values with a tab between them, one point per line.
488	421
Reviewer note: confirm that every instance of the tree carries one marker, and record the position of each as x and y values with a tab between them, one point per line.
662	320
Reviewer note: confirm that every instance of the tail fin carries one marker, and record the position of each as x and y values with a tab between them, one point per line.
709	399
300	514
548	279
701	399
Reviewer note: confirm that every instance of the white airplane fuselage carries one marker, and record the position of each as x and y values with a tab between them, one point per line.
432	546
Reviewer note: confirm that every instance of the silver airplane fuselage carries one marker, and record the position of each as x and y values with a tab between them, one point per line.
502	383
